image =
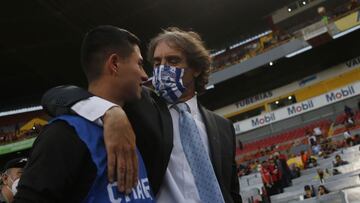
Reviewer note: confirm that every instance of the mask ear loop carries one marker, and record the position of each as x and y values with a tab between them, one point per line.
188	83
149	80
9	177
191	81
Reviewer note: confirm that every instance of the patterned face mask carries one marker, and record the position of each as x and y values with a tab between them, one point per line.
168	83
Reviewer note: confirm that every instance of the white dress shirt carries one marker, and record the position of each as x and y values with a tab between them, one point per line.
179	183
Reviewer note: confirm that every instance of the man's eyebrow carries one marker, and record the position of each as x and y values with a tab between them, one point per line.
173	56
156	59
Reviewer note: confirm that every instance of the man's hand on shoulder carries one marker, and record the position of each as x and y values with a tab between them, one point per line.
120	144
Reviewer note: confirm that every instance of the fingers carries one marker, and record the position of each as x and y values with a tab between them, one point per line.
120	141
121	170
129	172
111	162
135	168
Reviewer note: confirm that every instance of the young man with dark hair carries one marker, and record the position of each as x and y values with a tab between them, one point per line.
188	150
339	162
309	192
68	161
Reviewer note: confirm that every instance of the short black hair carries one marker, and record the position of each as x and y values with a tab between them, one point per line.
307	187
101	41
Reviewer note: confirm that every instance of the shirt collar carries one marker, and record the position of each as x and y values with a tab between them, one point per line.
192	104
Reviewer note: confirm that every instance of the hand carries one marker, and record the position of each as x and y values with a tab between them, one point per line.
120	145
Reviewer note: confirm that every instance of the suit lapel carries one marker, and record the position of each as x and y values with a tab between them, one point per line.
213	136
166	126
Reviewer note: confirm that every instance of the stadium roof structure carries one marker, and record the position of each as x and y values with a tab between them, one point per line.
40	41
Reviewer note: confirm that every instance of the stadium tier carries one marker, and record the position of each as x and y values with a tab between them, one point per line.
180	101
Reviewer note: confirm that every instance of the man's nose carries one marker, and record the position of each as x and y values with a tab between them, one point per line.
144	76
163	62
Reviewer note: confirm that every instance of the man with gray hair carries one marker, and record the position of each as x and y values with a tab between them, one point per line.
189	151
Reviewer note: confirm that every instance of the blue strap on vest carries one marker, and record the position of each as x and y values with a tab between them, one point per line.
102	191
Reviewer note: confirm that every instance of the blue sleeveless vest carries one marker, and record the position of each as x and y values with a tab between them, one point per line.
102	191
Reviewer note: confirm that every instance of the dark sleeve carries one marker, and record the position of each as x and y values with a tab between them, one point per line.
235	188
58	100
55	167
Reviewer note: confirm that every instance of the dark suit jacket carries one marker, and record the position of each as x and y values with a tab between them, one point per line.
152	123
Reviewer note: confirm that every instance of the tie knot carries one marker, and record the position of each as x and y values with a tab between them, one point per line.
182	107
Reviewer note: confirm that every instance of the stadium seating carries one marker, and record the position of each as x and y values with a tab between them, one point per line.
283	140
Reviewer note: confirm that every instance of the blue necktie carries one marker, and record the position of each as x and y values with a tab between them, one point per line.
197	157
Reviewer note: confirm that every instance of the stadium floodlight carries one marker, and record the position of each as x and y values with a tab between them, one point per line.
290	97
271	63
346	32
217	53
277	102
303	3
250	39
209	87
18	111
289	9
299	51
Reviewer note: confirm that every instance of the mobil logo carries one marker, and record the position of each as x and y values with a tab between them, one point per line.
297	108
263	120
342	93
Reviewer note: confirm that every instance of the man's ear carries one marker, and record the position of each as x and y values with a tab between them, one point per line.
196	72
112	64
4	178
